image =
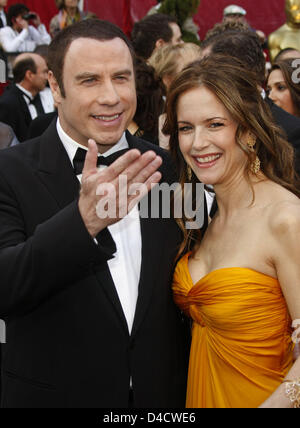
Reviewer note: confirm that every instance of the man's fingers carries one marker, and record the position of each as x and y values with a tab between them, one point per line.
130	167
143	175
90	164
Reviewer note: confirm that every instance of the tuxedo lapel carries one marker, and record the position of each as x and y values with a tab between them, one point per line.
22	103
55	169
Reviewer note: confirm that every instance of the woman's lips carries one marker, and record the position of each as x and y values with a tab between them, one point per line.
207	161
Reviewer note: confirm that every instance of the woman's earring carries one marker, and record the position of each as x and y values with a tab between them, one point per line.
255	165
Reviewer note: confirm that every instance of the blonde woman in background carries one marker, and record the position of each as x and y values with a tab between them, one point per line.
168	62
69	14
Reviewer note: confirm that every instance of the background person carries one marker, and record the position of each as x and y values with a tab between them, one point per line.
21	102
19	35
150	103
288	53
153	32
282	90
69	14
168	61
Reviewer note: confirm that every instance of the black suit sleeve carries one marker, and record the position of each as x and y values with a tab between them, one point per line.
57	255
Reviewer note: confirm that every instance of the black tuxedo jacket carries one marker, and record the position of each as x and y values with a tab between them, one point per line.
68	343
14	112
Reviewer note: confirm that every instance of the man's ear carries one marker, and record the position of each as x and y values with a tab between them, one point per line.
28	75
159	43
56	92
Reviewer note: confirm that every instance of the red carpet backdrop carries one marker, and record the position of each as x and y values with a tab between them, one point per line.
266	15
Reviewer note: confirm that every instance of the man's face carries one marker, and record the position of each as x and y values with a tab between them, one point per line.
40	78
100	95
292	8
177	35
3	3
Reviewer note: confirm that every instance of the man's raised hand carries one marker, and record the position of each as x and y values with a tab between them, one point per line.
102	189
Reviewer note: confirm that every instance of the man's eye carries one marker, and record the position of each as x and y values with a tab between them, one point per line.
91	80
121	78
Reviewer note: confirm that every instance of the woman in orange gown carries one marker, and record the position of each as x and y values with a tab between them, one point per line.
240	282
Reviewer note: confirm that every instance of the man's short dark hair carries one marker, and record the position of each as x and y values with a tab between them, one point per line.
146	32
14	11
244	45
21	67
89	29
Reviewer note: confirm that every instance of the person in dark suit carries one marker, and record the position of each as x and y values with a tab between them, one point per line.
21	102
87	300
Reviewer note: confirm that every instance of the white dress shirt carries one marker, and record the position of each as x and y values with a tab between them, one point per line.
46	99
25	41
125	267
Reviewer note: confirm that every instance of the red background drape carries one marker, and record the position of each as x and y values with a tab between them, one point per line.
266	15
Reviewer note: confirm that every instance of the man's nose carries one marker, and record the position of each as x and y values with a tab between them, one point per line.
109	94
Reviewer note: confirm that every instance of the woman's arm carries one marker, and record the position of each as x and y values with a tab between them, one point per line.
285	232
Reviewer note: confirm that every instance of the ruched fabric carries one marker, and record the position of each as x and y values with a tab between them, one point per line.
241	337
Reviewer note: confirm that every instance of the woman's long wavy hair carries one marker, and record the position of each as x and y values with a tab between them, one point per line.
237	89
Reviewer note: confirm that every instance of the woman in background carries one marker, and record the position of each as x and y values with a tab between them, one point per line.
150	103
69	14
282	89
240	282
168	61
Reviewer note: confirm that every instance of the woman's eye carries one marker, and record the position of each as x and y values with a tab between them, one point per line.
216	125
281	88
184	128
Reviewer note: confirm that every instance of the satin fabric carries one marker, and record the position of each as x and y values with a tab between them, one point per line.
241	336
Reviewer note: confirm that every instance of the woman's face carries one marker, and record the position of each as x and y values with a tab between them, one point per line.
279	92
207	137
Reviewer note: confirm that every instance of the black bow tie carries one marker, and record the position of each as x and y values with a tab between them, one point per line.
79	159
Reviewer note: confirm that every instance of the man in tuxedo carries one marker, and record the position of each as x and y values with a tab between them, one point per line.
21	102
87	300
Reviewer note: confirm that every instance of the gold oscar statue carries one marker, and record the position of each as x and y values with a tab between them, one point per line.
287	36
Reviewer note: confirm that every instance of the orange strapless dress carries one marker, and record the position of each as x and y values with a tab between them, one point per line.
241	339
